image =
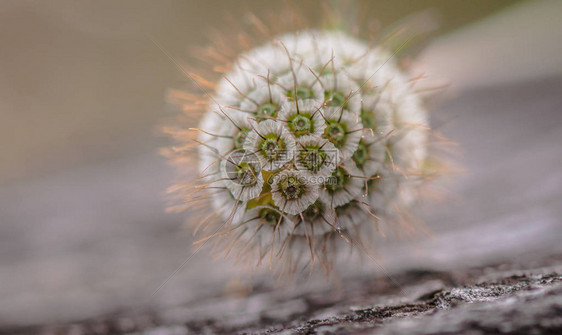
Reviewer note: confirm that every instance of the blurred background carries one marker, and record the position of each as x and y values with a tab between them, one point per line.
83	228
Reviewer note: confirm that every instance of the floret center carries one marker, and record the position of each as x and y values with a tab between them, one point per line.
361	155
246	174
339	180
267	111
240	138
334	98
292	188
312	157
300	124
313	212
336	133
272	147
270	216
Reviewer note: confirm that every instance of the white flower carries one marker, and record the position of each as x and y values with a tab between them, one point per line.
340	91
308	139
233	133
306	86
242	175
264	102
317	157
369	155
343	129
292	193
345	185
271	143
303	117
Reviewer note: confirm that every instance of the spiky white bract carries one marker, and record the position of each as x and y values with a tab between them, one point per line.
242	175
343	186
324	131
343	129
303	117
263	225
264	102
232	134
317	157
272	143
292	192
314	220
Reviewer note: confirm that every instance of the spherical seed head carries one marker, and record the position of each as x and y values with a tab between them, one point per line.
314	133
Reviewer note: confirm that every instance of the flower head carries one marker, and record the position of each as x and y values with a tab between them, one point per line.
308	138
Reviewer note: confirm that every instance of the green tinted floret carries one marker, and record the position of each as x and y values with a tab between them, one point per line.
335	132
335	98
301	124
303	93
267	111
240	137
313	212
272	147
361	154
269	216
368	119
312	157
339	179
291	187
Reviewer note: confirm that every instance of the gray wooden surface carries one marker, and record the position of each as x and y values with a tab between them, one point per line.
97	241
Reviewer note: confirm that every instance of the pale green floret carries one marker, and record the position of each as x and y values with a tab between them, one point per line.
245	174
341	177
361	155
240	137
334	98
267	111
303	93
291	187
269	216
368	119
336	132
272	147
301	124
313	212
312	158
